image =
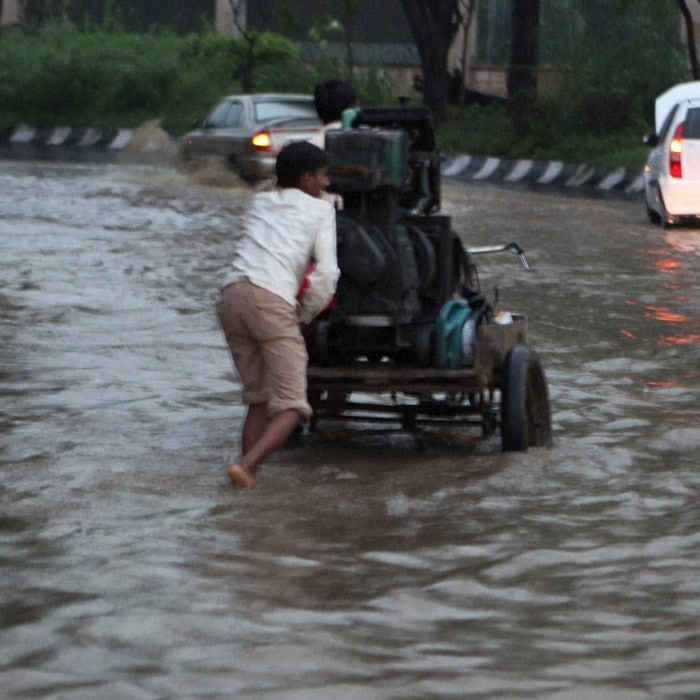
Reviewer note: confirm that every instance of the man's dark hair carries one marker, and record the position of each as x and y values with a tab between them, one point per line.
298	158
332	98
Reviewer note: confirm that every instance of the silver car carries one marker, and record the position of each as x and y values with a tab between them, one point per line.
248	131
672	171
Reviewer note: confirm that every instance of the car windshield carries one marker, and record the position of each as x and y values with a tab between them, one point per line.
667	123
273	110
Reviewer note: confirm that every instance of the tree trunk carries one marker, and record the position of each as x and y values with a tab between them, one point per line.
522	73
435	79
248	67
690	38
350	8
469	8
247	70
434	24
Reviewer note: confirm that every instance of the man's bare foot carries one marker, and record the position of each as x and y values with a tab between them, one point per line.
240	476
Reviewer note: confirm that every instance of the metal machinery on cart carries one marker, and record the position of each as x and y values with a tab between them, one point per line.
411	337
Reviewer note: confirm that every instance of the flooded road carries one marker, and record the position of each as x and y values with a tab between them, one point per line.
357	568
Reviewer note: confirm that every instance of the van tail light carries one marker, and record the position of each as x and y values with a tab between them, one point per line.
676	148
262	141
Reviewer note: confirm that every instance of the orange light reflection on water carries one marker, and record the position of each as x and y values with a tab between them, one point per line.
672	269
663	313
680	340
667	265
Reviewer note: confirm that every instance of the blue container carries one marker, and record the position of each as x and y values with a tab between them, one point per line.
448	333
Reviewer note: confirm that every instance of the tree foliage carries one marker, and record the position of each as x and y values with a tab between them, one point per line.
177	15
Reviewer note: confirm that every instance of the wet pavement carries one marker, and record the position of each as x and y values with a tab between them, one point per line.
360	566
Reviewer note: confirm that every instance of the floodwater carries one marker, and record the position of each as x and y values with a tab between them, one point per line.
360	566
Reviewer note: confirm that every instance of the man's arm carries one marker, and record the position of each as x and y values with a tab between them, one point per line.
324	277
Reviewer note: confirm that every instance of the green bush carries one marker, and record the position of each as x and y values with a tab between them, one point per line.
58	74
605	111
489	131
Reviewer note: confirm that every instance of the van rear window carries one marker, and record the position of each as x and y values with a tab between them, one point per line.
691	130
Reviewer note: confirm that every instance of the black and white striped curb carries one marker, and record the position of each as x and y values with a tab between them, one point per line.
545	173
112	139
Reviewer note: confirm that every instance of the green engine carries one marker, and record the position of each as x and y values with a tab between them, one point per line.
398	259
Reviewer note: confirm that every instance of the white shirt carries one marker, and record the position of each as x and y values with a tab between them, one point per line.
285	230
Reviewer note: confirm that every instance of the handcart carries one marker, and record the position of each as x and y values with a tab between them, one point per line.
412	340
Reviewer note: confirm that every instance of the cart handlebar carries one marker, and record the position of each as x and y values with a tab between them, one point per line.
513	247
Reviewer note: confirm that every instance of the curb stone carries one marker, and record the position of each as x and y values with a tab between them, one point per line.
80	137
26	141
63	143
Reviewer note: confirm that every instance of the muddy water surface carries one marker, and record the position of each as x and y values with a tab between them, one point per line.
359	567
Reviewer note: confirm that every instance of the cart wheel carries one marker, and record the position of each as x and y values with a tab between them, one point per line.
525	415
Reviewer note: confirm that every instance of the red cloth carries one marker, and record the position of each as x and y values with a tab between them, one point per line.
305	284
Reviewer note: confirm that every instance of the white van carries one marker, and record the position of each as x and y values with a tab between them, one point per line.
672	171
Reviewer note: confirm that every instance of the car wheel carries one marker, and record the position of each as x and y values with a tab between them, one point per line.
652	214
249	179
232	164
666	219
